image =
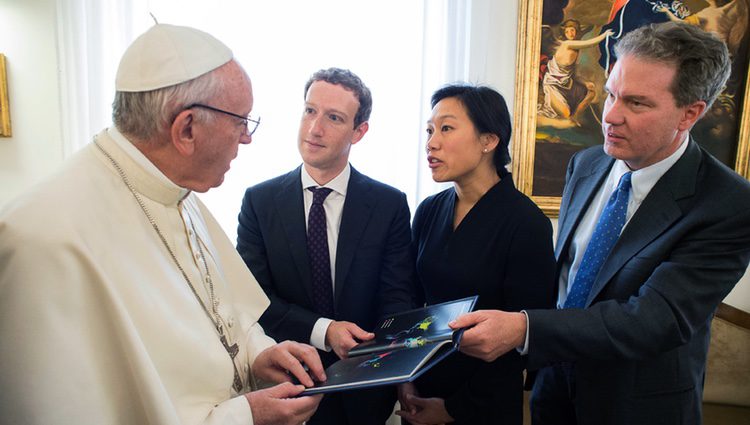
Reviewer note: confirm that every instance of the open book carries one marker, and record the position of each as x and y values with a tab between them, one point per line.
405	346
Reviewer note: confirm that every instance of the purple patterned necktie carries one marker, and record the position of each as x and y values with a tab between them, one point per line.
606	233
317	250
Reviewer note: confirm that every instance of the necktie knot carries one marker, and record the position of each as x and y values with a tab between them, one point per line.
319	194
625	181
620	198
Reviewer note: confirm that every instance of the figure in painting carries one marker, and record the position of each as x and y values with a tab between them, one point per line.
627	15
566	95
728	21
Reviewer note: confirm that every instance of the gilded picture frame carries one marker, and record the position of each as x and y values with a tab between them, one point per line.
545	139
5	130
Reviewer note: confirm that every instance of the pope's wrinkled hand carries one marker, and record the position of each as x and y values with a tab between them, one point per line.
276	405
277	363
490	333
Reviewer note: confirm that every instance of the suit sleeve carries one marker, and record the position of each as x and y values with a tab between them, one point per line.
528	283
397	273
282	320
668	293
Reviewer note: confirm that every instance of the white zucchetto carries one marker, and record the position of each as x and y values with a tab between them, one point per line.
166	55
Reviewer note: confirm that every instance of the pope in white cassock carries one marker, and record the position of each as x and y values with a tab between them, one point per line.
121	299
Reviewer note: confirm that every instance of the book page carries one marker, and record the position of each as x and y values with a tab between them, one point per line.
414	328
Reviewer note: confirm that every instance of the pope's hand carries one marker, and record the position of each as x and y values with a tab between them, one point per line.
275	405
274	364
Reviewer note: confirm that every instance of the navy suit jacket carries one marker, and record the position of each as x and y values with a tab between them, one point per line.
639	347
374	265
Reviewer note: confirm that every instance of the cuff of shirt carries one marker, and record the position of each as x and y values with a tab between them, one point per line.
523	350
318	335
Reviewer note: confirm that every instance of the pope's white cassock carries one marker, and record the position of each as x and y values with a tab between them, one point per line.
97	323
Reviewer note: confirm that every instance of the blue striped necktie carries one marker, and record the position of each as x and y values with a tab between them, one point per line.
606	233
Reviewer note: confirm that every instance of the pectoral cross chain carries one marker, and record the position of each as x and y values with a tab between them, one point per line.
233	350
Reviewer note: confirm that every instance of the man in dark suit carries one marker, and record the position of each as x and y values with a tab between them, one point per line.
327	291
629	346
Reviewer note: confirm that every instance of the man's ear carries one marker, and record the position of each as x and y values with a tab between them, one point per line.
691	114
360	131
182	133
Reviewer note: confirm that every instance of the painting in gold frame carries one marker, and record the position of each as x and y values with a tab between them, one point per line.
543	142
4	106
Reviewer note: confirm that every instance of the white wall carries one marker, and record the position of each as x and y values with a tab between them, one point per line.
28	39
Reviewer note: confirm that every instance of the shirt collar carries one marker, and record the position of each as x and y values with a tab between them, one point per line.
643	180
338	184
145	177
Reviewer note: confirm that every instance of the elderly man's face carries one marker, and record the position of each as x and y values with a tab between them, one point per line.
219	146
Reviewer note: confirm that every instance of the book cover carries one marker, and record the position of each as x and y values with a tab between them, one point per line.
405	346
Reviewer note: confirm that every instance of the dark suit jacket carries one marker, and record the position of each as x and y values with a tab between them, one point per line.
374	264
639	347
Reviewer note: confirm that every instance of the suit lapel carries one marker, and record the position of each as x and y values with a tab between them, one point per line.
658	211
581	192
357	210
291	209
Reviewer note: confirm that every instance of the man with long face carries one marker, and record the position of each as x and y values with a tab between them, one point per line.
328	286
654	232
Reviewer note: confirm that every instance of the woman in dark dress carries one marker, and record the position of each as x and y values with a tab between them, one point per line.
482	236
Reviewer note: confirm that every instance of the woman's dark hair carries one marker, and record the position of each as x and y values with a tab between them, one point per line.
488	112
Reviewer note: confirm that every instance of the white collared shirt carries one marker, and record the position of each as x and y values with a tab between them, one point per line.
334	207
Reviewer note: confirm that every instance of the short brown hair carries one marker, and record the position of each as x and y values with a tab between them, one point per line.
700	58
351	82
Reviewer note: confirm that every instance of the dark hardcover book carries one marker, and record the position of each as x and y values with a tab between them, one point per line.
405	346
